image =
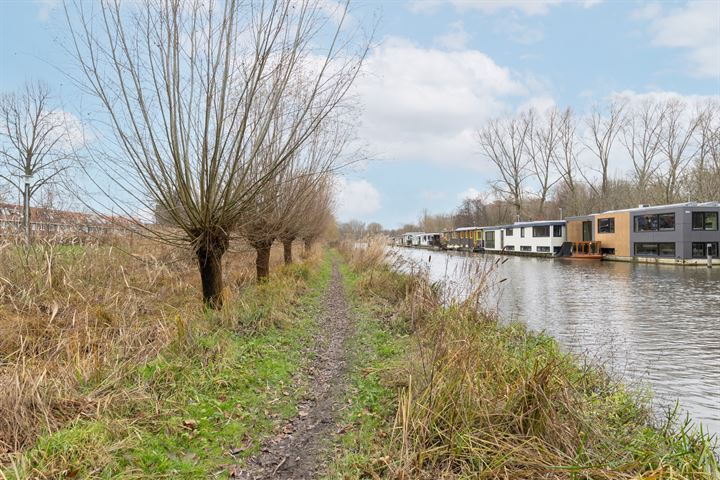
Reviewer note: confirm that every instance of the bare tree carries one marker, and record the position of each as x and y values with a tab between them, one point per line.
191	89
641	135
566	156
502	141
676	142
542	142
705	184
32	150
603	129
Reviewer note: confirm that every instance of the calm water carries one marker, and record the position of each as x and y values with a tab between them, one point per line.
658	325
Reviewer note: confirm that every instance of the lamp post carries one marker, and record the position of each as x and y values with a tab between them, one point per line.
26	180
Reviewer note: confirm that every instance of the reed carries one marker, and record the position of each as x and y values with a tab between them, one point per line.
483	399
77	320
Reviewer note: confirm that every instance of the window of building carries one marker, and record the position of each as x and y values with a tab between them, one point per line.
666	221
556	249
557	231
655	249
543	231
655	222
700	249
543	249
522	232
490	239
646	249
526	248
705	220
508	232
666	249
606	225
510	248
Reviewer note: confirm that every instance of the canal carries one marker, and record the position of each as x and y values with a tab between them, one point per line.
655	325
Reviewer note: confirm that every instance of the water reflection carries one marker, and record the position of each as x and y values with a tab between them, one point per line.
652	323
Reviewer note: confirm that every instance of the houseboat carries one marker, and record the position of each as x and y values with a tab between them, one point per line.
540	238
681	233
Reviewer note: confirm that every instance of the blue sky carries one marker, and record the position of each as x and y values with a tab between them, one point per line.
440	68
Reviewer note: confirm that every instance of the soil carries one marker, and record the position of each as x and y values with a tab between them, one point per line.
296	452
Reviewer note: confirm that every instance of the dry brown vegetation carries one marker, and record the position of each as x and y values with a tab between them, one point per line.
74	320
479	399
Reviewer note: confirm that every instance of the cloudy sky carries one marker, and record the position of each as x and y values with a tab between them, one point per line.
438	69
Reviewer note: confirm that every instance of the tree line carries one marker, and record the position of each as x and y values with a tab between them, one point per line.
554	163
226	119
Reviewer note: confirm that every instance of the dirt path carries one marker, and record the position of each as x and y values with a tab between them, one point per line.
295	452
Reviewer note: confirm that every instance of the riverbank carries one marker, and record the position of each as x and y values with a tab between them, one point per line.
445	391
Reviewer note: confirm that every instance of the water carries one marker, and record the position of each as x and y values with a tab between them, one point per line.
657	325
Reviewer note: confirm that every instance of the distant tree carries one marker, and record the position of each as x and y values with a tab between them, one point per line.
33	150
502	141
374	228
604	127
542	142
641	134
679	126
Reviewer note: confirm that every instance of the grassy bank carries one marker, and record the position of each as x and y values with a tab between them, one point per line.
442	390
118	372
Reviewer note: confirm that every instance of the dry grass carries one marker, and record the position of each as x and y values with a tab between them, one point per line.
75	319
483	400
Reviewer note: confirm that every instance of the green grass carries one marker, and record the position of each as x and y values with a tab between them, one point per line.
205	403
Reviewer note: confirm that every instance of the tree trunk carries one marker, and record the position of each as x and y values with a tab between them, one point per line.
262	262
287	251
210	263
308	247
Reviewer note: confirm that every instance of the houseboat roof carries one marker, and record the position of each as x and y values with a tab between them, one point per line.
465	229
537	223
643	208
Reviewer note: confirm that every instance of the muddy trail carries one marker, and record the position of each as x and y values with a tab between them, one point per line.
296	452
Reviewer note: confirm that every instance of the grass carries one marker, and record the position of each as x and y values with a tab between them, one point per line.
183	394
472	398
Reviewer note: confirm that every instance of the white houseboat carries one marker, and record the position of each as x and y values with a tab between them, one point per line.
538	237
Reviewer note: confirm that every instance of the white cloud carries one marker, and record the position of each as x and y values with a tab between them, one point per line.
470	194
694	27
424	104
46	8
527	7
456	39
356	199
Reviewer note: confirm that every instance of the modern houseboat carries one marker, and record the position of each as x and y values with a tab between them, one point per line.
678	233
541	237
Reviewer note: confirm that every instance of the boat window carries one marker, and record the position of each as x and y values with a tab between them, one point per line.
543	249
705	220
522	232
557	230
606	225
666	221
543	231
646	223
510	248
508	232
526	248
700	249
666	249
646	249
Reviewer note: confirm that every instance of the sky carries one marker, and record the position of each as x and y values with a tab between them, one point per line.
438	69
